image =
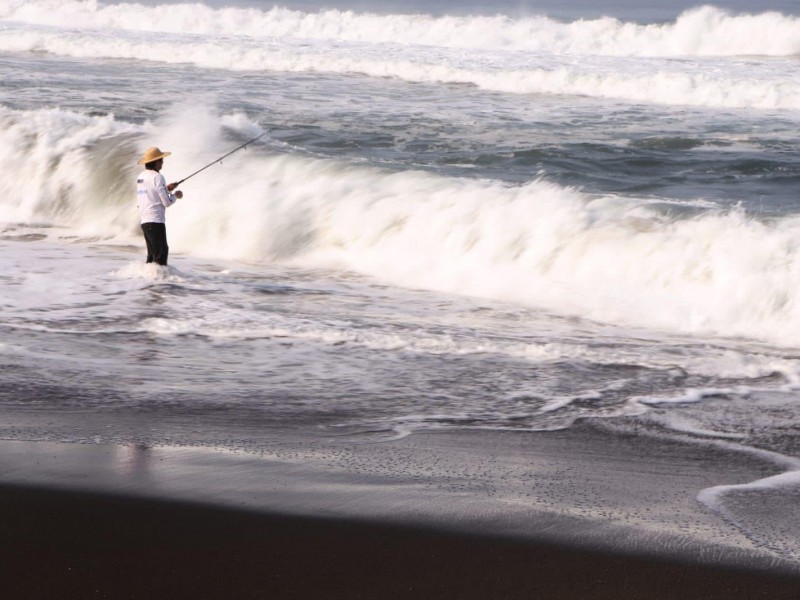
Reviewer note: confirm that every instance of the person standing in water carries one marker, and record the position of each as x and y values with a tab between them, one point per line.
154	197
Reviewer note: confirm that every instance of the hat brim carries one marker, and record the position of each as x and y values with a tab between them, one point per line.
148	159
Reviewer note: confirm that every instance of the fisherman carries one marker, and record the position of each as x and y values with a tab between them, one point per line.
154	197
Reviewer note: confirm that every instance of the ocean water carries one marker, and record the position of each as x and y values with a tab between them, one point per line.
463	215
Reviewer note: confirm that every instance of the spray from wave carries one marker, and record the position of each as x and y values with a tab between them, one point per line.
610	258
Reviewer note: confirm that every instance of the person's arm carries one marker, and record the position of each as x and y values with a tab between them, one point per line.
166	198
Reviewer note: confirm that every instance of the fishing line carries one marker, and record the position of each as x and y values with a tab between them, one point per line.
247	143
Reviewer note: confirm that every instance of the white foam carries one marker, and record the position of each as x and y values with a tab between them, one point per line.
704	31
775	537
149	272
713	497
690	396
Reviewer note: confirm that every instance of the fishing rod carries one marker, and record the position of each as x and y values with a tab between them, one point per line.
219	159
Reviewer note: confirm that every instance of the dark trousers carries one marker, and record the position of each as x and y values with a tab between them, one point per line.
155	236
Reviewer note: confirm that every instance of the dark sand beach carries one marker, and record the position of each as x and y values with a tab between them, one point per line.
319	519
82	545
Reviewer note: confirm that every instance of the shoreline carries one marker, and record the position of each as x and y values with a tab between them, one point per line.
588	491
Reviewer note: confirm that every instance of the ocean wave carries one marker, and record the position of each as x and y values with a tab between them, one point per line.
703	31
606	258
65	165
662	82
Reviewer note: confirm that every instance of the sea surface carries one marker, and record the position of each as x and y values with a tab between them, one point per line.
462	215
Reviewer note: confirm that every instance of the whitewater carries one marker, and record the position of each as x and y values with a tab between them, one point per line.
456	220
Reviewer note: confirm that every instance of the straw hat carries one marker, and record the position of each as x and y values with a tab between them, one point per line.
152	154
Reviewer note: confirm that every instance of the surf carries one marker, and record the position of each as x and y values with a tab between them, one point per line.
609	258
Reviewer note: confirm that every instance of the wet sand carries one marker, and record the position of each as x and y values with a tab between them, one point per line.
582	513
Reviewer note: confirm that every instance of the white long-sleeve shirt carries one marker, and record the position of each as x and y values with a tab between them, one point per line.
152	196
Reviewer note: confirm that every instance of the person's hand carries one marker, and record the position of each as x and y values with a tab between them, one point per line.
171	186
179	194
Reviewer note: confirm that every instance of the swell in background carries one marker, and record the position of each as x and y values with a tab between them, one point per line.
706	57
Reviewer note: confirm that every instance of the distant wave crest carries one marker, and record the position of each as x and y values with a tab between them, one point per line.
663	82
703	31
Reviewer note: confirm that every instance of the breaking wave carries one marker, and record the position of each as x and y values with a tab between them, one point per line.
703	31
533	55
608	258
